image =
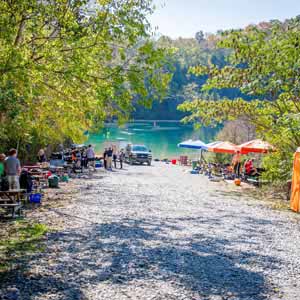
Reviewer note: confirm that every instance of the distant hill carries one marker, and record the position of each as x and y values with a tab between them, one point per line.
189	52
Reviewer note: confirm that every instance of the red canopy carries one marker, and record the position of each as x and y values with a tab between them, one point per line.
224	147
256	146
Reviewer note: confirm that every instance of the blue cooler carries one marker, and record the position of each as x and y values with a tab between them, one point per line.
98	164
35	198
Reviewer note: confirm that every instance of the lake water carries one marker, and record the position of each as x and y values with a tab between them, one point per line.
162	138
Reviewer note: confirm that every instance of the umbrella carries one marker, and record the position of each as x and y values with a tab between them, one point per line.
210	145
192	144
256	146
223	147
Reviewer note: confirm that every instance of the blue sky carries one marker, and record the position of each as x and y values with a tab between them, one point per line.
185	17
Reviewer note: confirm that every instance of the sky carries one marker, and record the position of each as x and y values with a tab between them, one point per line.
185	17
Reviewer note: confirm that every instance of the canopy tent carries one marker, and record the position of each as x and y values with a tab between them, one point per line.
193	144
210	145
295	192
256	146
224	147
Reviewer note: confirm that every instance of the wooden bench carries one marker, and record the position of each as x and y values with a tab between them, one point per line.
12	201
12	207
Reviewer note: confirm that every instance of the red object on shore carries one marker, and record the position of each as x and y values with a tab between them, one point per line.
174	161
256	146
224	147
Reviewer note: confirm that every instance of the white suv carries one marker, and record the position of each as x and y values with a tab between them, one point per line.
138	154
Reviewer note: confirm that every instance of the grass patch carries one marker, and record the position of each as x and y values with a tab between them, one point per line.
20	240
280	205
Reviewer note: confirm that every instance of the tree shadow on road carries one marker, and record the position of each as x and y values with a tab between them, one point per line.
119	253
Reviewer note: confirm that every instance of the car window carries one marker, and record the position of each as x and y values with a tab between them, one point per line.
139	148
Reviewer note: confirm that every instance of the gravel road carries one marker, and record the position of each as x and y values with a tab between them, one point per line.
160	233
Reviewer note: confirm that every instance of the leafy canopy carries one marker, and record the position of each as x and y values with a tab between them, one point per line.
265	64
66	66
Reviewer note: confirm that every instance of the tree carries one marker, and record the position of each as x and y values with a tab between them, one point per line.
264	64
237	131
67	66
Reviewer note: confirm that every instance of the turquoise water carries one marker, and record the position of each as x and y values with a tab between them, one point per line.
162	138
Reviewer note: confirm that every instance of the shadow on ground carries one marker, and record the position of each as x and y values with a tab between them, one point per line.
119	253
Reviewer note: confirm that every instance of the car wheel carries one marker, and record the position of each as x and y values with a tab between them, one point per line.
149	163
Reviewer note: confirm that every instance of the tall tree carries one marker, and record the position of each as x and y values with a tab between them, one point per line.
264	64
68	65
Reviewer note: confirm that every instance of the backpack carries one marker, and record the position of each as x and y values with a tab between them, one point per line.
26	181
4	185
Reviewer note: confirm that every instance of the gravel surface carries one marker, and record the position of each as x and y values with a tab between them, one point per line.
160	233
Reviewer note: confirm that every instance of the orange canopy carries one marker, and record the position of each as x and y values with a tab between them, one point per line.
295	193
256	146
224	147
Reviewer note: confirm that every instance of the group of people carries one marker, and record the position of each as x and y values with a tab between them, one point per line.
10	170
87	157
10	166
112	156
249	168
84	158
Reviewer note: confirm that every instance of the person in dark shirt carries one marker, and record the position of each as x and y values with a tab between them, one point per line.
109	158
121	158
84	159
114	157
105	158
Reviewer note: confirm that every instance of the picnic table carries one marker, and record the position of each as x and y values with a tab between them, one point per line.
58	170
12	200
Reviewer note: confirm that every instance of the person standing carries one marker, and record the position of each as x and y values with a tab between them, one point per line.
84	160
90	153
105	158
2	160
13	169
236	162
109	158
121	158
78	160
73	156
114	157
3	180
41	157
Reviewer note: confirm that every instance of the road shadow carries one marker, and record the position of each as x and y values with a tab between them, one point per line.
120	253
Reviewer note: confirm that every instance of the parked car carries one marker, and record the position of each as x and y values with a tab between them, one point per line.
138	154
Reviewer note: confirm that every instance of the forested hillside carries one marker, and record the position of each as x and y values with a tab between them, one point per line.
186	53
190	52
264	63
